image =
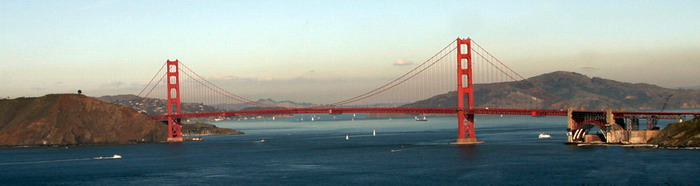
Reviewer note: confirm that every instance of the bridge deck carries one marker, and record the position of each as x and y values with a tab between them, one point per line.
476	111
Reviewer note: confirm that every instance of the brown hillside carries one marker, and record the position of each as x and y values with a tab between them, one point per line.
68	119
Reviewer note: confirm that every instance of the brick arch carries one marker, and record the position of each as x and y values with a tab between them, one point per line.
591	122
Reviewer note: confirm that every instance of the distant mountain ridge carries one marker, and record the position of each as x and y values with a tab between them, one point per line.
268	101
153	106
576	89
691	87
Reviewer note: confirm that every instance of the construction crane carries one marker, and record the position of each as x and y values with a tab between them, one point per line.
666	102
651	123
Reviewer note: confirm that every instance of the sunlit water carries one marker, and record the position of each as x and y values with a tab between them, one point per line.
404	151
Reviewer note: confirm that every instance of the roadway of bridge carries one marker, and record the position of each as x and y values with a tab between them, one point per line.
475	111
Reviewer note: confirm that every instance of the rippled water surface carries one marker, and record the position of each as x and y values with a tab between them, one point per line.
404	151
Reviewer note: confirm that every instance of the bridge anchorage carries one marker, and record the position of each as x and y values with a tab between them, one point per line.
454	69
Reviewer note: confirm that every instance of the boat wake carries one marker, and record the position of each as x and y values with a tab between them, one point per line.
45	161
116	156
398	150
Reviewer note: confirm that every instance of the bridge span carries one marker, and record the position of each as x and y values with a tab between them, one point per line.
475	111
455	68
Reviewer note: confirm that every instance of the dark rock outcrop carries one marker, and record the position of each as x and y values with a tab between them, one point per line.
71	119
684	134
205	129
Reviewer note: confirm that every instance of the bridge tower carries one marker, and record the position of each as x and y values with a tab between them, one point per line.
465	120
174	127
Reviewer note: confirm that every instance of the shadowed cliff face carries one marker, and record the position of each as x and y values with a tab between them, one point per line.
205	129
684	134
67	119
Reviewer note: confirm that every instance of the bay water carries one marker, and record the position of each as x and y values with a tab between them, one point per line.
290	151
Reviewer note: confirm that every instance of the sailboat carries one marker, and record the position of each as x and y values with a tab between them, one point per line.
374	132
347	137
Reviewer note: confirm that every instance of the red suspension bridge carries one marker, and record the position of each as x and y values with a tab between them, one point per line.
458	68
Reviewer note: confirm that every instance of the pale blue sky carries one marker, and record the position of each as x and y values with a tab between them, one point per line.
115	47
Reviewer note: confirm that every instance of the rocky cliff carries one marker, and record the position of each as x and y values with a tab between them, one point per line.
69	119
684	134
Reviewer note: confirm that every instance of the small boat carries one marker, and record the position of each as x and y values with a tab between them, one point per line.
421	119
116	156
194	139
544	135
262	140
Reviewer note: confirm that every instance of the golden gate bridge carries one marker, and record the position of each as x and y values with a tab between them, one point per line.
457	68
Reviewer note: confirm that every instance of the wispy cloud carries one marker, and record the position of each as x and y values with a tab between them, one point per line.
112	85
308	74
590	69
403	62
